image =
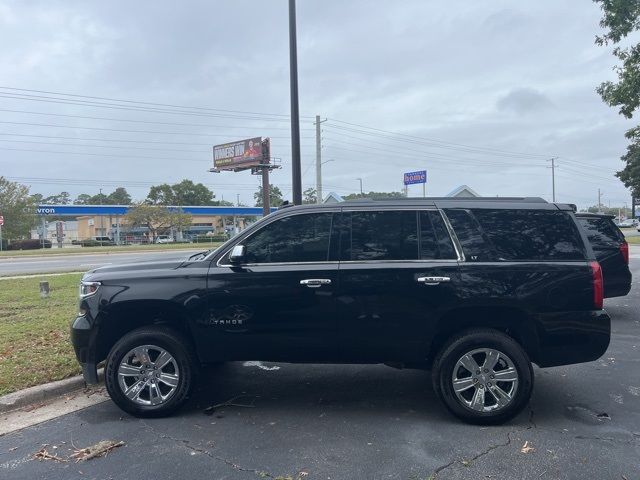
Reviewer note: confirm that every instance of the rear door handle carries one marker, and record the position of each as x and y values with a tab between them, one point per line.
315	282
433	280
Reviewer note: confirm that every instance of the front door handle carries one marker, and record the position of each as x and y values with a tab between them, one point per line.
315	282
433	280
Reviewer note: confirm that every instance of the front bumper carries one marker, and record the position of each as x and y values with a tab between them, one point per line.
83	341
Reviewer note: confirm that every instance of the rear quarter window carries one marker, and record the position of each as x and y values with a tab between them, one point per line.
520	235
601	232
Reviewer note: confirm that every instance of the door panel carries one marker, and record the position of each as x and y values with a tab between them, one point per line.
263	312
280	303
386	314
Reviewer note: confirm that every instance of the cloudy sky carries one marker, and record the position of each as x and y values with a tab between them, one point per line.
481	94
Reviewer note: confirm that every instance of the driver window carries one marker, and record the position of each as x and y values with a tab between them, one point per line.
297	238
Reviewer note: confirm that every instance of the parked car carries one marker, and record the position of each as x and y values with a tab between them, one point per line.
628	223
611	250
474	290
164	239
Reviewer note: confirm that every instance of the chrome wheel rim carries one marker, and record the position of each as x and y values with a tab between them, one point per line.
148	375
485	380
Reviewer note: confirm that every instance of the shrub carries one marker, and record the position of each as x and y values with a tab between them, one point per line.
210	239
30	244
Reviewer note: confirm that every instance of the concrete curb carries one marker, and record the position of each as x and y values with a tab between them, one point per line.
41	393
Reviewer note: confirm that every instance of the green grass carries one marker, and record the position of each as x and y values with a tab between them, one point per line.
34	332
114	249
634	240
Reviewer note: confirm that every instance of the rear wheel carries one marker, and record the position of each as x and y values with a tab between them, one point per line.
483	377
149	372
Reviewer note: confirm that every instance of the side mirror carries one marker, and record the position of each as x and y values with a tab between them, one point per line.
236	256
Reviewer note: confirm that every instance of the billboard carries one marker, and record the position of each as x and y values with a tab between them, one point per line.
238	155
415	177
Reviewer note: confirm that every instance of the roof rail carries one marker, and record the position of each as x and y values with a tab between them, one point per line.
462	199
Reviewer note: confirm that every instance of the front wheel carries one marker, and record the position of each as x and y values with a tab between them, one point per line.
149	372
483	377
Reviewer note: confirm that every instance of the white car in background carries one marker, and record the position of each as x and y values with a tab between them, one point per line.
164	239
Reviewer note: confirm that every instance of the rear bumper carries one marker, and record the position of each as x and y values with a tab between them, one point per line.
572	337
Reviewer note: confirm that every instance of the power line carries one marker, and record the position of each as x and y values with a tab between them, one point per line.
122	130
147	103
57	137
143	121
425	139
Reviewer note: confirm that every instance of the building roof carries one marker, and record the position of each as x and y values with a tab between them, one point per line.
333	197
463	191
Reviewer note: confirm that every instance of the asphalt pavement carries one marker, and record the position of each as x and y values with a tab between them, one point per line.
282	421
77	262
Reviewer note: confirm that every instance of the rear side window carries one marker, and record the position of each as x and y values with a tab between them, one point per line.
381	235
435	242
601	232
531	234
298	238
473	243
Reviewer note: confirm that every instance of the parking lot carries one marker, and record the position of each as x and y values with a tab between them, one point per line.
371	422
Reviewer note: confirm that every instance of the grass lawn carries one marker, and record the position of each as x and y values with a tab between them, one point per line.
114	249
635	239
34	332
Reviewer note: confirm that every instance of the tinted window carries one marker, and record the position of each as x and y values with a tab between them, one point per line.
531	234
298	238
473	243
387	235
602	232
435	242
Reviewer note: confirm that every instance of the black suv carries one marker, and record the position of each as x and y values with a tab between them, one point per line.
474	290
611	250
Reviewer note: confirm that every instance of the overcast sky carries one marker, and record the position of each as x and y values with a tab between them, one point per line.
483	94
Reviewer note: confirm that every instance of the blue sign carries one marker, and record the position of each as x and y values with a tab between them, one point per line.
78	210
415	177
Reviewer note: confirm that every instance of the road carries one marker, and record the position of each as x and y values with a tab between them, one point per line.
25	265
309	422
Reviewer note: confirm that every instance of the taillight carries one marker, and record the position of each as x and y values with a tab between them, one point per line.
598	290
624	250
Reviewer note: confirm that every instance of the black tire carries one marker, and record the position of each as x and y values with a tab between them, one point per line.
185	366
474	341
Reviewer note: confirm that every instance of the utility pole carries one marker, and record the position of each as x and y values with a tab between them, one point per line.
360	180
318	159
237	199
553	177
296	173
599	202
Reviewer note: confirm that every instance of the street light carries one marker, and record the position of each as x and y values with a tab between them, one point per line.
319	180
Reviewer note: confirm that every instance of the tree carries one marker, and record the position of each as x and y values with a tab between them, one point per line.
275	196
184	193
17	208
376	195
99	199
157	218
621	18
63	198
119	197
310	196
82	199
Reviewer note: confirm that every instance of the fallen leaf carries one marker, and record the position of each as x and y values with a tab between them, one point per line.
526	448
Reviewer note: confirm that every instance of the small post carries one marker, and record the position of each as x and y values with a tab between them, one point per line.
44	289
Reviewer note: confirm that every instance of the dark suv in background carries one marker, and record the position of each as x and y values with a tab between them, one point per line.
611	250
474	290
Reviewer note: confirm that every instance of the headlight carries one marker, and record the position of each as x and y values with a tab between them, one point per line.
88	288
